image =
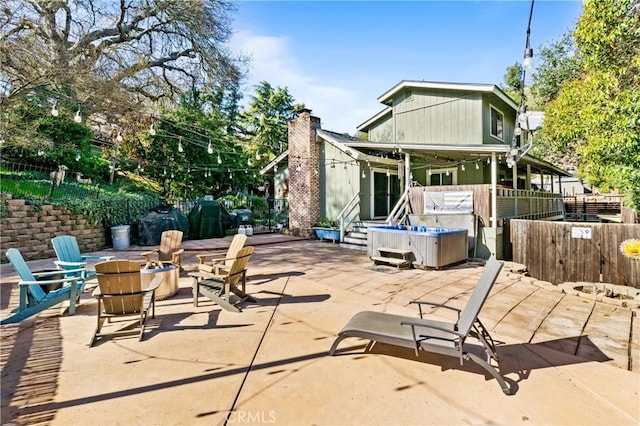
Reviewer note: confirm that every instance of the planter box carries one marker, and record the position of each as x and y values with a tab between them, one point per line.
328	234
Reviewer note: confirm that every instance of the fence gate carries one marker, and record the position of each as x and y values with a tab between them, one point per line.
560	252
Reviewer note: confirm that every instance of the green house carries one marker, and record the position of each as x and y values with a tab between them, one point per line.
429	137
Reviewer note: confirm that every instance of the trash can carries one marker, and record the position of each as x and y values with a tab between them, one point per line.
120	237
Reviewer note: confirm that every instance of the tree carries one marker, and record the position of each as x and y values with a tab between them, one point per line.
110	56
597	113
559	63
266	121
513	82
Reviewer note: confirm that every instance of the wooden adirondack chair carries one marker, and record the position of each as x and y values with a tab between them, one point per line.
218	288
169	251
69	256
213	263
33	299
120	294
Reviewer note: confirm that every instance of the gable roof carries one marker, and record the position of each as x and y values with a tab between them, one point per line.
387	96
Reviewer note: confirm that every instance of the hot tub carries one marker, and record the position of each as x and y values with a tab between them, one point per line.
432	247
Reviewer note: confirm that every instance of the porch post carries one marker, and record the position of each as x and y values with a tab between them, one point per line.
407	170
514	175
494	191
527	185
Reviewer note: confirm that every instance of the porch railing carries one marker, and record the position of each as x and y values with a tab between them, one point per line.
400	210
348	214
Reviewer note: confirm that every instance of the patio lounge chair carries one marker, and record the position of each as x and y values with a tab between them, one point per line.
444	338
213	263
69	256
33	299
120	295
169	251
219	288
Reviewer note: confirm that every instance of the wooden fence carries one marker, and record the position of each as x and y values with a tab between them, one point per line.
560	252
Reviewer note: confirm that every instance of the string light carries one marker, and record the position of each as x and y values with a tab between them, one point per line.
258	155
180	147
77	157
40	153
119	137
78	117
462	167
219	159
364	176
54	109
477	166
210	148
152	129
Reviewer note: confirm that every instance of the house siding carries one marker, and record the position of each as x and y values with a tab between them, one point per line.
340	179
433	117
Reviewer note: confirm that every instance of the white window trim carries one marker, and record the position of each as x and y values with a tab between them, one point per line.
452	170
491	106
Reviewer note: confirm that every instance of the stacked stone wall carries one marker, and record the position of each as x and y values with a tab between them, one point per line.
30	229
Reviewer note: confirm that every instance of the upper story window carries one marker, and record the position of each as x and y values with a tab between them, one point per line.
497	120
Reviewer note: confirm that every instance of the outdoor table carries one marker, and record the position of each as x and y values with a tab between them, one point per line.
169	286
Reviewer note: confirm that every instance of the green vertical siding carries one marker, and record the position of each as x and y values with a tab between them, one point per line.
338	183
439	117
382	131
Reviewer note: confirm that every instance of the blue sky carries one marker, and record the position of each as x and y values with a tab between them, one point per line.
338	57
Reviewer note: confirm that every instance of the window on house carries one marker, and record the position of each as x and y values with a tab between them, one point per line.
497	119
441	177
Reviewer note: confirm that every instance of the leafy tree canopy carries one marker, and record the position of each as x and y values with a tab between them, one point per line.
597	112
266	121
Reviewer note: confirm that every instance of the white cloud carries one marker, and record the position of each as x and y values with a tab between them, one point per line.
340	109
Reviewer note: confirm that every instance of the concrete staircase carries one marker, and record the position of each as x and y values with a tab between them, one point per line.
356	239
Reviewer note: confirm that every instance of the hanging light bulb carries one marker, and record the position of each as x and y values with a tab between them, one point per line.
119	137
172	175
275	168
258	155
462	167
219	159
477	166
210	148
40	153
429	172
180	147
298	168
77	157
447	173
164	171
364	176
249	162
78	117
488	160
54	109
527	63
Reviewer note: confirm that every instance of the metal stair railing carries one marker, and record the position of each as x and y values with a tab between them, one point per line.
348	214
400	210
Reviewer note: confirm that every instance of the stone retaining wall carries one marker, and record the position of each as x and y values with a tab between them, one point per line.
30	228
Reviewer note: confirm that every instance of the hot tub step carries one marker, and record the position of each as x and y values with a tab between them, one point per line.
393	256
400	263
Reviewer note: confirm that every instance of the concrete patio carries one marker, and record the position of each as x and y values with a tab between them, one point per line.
569	360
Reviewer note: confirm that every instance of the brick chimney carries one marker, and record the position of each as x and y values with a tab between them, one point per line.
304	178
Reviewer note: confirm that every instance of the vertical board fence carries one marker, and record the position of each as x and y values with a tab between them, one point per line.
559	252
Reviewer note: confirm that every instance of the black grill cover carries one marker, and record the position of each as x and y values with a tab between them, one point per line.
153	223
208	219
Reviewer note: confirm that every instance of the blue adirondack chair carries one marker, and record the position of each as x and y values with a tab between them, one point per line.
33	299
69	256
